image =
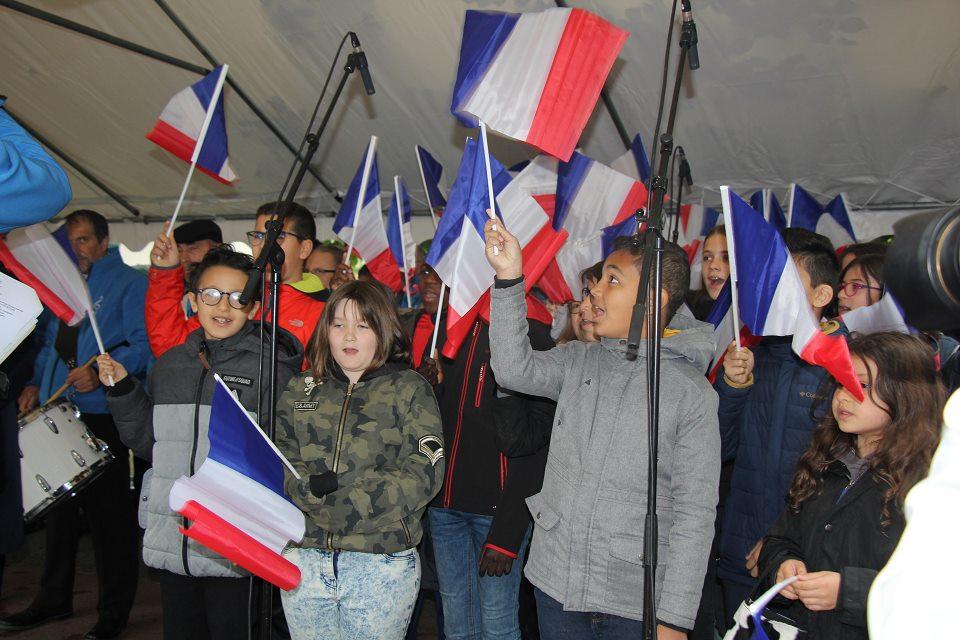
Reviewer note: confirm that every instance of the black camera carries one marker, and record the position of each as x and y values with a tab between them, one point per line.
922	268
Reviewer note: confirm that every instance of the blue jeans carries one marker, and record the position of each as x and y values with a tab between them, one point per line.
350	595
474	607
557	624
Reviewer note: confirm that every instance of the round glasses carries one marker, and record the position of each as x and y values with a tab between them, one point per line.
256	237
852	288
211	297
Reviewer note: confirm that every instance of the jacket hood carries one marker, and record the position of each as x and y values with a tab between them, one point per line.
289	350
685	338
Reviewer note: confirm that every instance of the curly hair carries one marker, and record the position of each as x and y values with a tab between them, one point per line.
907	383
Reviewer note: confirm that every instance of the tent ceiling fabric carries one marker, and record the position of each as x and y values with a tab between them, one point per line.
852	95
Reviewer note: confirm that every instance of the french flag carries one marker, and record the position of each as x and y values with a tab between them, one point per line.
593	201
832	221
696	221
363	229
180	124
766	203
235	501
457	252
721	316
432	173
399	234
634	163
534	77
885	314
769	295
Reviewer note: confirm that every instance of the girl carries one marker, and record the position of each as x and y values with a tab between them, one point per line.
714	271
844	514
363	431
579	324
861	282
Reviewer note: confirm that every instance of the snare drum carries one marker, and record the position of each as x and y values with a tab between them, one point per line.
58	456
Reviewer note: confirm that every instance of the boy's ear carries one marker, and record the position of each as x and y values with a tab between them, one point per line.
192	297
306	248
253	310
822	295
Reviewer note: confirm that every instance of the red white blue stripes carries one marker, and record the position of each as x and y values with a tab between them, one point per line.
534	76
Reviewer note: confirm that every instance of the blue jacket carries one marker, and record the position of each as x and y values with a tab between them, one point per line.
118	294
764	429
33	187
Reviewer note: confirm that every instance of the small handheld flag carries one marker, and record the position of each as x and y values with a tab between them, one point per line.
431	173
235	501
398	232
775	303
536	76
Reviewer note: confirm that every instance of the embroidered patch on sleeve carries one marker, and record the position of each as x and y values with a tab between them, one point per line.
432	448
246	382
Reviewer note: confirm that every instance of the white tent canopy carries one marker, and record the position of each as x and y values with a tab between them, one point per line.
836	95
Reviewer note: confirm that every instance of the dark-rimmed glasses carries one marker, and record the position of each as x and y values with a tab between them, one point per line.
211	297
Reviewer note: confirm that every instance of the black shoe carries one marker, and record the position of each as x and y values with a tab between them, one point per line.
31	617
104	631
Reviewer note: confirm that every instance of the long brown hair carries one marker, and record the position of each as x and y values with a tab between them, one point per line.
907	383
375	309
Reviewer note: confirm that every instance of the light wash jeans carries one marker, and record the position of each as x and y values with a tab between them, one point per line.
350	595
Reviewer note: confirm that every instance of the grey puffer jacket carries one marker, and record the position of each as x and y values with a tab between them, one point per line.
588	537
168	426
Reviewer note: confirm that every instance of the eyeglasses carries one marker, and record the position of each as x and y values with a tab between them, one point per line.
256	237
212	297
853	287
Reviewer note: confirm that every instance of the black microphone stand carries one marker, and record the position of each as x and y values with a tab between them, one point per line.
272	254
651	273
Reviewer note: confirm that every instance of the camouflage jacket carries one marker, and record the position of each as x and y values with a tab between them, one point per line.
382	437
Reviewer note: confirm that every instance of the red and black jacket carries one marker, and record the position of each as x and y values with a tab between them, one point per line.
479	477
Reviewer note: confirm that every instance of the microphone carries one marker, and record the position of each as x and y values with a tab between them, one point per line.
685	175
361	60
690	26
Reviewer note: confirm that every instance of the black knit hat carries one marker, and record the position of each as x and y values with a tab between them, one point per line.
197	230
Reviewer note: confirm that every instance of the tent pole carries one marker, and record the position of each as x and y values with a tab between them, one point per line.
608	102
79	168
102	36
175	19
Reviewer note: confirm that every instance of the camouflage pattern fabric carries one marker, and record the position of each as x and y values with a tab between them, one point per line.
382	437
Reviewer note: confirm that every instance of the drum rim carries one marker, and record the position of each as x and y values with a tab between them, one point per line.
62	493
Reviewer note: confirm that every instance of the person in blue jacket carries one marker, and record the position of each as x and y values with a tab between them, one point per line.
118	293
33	187
768	410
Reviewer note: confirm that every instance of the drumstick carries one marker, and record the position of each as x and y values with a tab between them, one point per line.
59	392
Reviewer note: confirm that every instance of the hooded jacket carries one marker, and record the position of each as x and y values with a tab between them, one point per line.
837	529
380	438
168	426
589	516
117	292
300	307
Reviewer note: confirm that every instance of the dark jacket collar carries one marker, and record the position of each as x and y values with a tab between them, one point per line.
389	367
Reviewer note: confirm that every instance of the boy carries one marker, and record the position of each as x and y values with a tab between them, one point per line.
585	558
203	594
301	295
767	397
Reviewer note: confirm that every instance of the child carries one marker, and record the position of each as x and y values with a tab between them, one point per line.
585	558
861	282
203	594
766	420
844	512
363	431
714	271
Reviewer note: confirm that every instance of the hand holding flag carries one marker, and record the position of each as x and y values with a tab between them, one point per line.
502	250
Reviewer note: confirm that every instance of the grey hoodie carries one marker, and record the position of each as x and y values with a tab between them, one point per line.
168	427
588	537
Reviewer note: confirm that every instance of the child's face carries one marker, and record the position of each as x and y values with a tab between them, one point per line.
613	297
818	297
866	419
352	341
211	302
582	315
295	249
857	290
716	264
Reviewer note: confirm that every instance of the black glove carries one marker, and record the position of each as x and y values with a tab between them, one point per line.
324	483
494	564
